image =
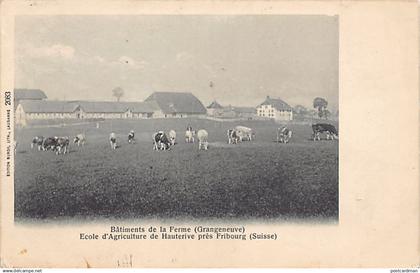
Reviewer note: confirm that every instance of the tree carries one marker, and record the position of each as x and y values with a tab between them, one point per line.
300	110
321	104
118	92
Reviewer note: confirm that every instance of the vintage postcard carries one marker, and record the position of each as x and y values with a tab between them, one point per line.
209	134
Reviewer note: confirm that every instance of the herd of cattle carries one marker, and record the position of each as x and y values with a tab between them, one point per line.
164	141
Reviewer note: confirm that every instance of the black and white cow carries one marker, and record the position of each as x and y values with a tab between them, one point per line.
284	134
37	141
172	137
113	140
62	145
130	138
189	135
49	143
203	136
233	137
161	141
244	133
79	139
328	129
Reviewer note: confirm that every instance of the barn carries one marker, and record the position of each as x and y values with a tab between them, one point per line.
276	109
111	109
28	94
44	109
177	105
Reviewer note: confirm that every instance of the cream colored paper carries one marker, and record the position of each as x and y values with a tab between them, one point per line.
378	159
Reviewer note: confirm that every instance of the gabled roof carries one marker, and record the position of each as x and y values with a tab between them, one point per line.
171	102
141	107
44	106
117	107
29	94
279	104
102	107
215	105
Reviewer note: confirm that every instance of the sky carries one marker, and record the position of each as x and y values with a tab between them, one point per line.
236	60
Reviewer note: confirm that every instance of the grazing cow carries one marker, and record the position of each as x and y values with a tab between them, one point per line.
49	143
172	137
202	136
156	140
161	141
244	133
131	137
284	134
189	136
38	140
329	129
233	137
80	139
62	145
113	140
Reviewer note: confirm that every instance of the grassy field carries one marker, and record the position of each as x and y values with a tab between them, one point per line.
251	180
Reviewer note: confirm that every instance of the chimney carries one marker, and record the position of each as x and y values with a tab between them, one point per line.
268	97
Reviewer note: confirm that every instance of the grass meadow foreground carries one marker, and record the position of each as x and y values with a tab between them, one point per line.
250	180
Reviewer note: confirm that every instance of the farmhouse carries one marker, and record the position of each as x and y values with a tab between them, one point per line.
28	94
276	109
214	109
177	105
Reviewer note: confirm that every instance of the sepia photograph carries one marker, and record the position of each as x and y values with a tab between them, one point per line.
209	134
218	117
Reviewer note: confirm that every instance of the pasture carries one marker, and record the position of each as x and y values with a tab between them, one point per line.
250	180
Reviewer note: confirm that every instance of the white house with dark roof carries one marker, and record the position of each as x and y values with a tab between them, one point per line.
276	109
177	105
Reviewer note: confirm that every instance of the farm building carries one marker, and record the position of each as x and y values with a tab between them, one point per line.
239	112
110	109
276	109
245	112
217	110
28	94
214	109
40	109
177	105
